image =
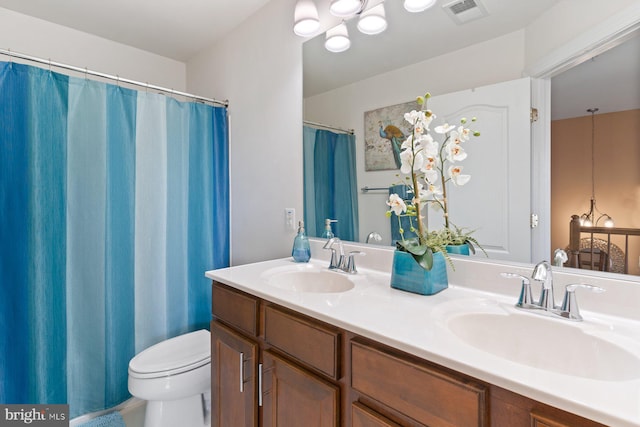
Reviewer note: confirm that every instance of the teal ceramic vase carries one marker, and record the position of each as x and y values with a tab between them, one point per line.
458	249
407	275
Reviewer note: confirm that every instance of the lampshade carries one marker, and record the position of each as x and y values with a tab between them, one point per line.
373	21
337	39
306	21
418	5
345	8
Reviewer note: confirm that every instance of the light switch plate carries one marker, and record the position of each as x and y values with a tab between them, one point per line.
290	218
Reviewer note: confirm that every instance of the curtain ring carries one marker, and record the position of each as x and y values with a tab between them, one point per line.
86	71
49	64
10	56
118	80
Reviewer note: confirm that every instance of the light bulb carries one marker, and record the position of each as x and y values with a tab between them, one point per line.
345	8
306	21
608	222
418	5
337	39
372	21
587	223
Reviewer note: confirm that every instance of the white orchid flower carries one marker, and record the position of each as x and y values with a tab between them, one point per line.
455	152
429	168
455	173
463	133
429	146
431	176
413	116
428	117
409	158
445	128
420	120
432	191
407	143
397	205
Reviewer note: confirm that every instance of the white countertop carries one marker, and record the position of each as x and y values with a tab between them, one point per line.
416	324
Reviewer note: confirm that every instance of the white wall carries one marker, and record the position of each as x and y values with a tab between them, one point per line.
43	39
489	62
258	68
565	21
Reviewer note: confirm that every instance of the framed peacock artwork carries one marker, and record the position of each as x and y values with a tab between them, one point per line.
384	131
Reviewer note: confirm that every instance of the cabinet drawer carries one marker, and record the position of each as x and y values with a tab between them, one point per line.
310	343
361	416
235	308
427	395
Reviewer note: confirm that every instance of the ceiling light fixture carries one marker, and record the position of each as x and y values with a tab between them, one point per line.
416	6
345	8
372	19
306	21
337	39
588	219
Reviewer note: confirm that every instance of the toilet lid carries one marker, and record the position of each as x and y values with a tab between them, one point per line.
179	354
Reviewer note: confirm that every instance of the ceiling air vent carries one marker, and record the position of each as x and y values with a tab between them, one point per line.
463	11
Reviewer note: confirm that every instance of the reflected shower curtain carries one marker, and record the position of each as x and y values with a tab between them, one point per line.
113	203
330	182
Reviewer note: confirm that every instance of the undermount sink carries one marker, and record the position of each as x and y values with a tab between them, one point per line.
547	344
309	278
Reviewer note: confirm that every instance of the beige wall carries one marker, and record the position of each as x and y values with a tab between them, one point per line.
617	174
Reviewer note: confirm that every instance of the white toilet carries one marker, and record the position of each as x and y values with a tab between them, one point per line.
174	377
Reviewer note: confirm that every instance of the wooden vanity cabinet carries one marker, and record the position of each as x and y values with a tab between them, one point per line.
288	365
316	375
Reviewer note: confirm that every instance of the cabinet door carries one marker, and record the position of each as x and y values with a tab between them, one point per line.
233	382
293	397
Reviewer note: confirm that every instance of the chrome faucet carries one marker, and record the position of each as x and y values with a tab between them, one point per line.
546	303
375	236
340	261
542	273
336	260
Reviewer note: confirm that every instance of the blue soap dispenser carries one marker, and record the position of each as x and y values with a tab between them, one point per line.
327	233
301	251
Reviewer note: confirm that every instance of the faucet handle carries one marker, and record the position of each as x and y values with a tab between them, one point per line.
351	262
329	243
525	299
569	308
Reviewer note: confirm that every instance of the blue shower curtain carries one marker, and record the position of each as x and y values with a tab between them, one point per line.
330	182
114	203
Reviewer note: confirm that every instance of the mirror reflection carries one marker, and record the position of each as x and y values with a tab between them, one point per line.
333	81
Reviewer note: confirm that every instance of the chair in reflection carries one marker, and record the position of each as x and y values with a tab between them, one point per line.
593	259
598	254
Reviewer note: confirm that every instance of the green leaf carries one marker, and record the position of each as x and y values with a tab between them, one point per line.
425	260
421	253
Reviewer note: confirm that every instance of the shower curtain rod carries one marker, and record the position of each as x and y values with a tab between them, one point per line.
349	131
85	71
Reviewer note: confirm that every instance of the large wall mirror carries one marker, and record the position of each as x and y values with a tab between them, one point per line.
387	69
